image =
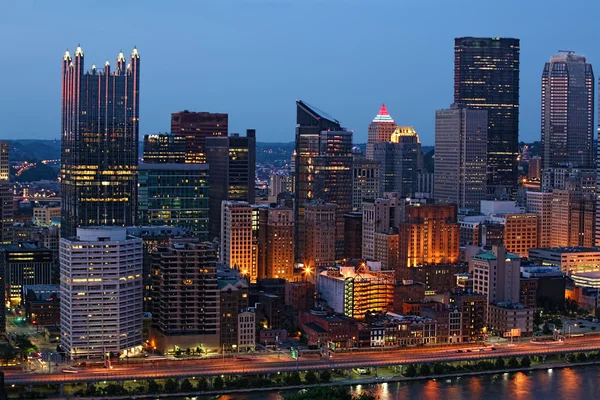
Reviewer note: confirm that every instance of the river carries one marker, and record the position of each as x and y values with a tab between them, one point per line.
566	383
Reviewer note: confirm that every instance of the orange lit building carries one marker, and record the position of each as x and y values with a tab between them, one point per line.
429	236
521	233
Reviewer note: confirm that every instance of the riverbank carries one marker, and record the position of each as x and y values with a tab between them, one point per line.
344	382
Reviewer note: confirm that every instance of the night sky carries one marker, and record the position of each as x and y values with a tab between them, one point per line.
254	58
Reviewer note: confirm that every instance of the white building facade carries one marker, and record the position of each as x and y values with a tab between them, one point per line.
101	293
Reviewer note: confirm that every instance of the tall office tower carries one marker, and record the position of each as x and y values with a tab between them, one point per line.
3	297
236	238
174	195
99	147
196	127
379	215
521	233
401	160
567	111
365	181
535	168
164	149
6	196
319	234
232	162
323	170
24	264
279	243
100	293
186	296
573	218
486	77
597	192
430	235
353	235
380	130
540	203
460	175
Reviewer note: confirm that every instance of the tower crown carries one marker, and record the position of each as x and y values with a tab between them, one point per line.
79	51
383	115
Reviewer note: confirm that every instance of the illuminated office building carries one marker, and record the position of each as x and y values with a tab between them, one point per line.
381	129
365	181
486	77
100	293
196	127
319	234
401	159
164	149
24	264
567	111
99	146
323	170
6	197
430	235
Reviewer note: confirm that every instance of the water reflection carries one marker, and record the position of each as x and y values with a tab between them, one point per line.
568	383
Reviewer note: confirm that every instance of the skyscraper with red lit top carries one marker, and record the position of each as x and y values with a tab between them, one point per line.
381	129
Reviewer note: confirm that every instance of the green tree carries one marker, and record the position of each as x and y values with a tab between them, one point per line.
199	350
178	352
410	371
186	385
325	376
581	357
546	329
513	363
218	383
293	379
499	364
525	362
91	390
113	389
438	369
171	386
424	370
188	351
310	378
202	384
153	387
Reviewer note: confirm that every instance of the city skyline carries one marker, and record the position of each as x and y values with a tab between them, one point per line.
250	80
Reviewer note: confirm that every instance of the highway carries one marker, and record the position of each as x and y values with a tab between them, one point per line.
283	363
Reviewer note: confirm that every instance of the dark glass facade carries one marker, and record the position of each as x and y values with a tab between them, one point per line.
323	169
232	162
164	149
486	77
196	127
99	148
567	111
174	195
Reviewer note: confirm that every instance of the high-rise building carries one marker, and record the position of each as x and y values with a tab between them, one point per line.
279	246
461	157
573	218
380	130
196	127
99	147
164	148
25	264
174	195
232	163
323	170
486	77
185	296
319	232
401	159
540	203
6	196
353	235
430	235
100	293
365	181
379	216
567	111
521	233
236	238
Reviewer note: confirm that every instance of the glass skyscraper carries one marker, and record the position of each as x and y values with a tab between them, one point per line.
567	111
486	77
99	148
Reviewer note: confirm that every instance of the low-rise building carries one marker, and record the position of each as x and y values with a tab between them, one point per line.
571	260
246	331
510	318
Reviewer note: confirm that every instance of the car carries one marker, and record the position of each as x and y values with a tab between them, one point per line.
145	354
469	350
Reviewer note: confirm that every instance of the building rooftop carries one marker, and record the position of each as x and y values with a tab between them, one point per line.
577	249
491	256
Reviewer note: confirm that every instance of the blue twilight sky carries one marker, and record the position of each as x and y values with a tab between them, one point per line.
254	58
